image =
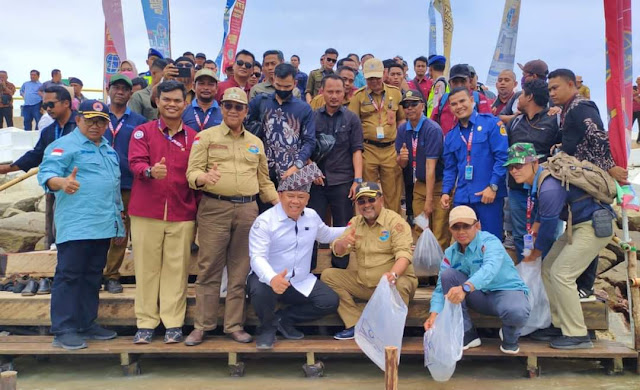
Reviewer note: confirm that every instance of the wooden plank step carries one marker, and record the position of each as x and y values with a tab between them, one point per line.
118	310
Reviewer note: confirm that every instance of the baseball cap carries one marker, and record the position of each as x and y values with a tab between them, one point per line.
413	95
201	55
522	153
302	179
472	70
234	94
459	70
437	60
368	188
154	52
373	68
464	214
120	77
538	67
205	72
93	108
75	80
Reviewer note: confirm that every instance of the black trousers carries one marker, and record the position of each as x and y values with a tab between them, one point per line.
77	281
341	212
407	175
7	114
322	301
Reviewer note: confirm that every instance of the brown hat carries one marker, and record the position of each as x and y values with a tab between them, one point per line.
537	67
464	214
235	94
373	68
205	72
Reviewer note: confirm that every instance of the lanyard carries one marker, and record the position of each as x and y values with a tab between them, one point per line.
206	118
468	143
378	108
414	151
58	130
529	211
172	140
117	129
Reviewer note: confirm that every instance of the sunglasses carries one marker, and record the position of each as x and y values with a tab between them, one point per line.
100	122
183	65
257	74
363	201
233	106
410	104
247	65
330	59
51	104
516	167
461	226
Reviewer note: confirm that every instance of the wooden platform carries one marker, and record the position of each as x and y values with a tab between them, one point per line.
309	347
118	310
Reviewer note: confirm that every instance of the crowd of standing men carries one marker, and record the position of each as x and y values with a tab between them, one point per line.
237	162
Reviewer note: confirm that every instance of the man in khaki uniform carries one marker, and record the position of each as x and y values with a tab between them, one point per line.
382	242
229	165
328	61
378	106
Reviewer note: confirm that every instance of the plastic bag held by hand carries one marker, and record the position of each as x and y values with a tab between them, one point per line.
428	255
382	322
443	342
540	314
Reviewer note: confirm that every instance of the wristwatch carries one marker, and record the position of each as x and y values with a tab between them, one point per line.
147	173
494	187
466	288
357	180
298	164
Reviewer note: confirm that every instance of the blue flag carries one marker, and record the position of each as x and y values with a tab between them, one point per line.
432	29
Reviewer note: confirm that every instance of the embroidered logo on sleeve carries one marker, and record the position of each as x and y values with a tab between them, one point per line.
384	235
138	134
57	152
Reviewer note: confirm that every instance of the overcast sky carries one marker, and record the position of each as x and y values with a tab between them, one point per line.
69	34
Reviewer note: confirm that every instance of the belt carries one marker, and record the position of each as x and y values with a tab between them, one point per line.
232	199
379	144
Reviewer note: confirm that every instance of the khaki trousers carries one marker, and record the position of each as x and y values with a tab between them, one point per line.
161	253
223	236
560	269
345	283
379	165
439	221
115	256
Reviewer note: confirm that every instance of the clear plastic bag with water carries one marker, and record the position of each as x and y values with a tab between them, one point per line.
443	342
540	314
428	255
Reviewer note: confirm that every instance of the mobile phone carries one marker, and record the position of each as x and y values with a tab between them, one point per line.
184	72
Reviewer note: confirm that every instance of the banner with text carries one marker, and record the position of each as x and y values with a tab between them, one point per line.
112	10
225	28
158	22
235	27
444	7
505	53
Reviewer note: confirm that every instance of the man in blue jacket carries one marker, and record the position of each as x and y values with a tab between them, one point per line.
477	272
474	154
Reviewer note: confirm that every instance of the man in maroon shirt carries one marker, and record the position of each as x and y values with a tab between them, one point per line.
421	82
242	70
163	212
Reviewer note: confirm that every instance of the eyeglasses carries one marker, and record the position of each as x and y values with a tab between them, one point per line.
257	74
98	121
410	104
231	106
363	201
247	65
516	167
183	65
330	59
461	226
50	104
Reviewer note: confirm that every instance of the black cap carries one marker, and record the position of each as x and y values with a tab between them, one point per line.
201	55
369	189
93	108
75	80
460	70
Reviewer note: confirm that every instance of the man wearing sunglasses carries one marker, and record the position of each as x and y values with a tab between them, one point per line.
328	61
478	273
83	171
242	70
381	240
270	59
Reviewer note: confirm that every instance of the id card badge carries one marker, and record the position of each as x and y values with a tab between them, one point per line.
468	172
528	241
380	132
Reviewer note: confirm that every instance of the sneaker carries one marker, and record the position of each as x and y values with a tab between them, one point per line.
546	334
69	341
347	334
143	336
471	339
510	349
96	332
586	295
571	342
508	241
113	286
288	331
266	339
173	335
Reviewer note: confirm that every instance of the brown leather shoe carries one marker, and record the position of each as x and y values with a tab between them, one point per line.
241	336
195	338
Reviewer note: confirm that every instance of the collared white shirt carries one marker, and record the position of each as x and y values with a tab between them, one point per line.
277	242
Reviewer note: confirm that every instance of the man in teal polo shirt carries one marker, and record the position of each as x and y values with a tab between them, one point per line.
83	172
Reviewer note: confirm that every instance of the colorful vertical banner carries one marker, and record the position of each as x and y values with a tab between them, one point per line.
235	27
112	10
157	20
618	80
225	27
444	7
111	60
505	54
432	30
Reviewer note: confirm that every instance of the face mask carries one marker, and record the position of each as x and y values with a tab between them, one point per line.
284	95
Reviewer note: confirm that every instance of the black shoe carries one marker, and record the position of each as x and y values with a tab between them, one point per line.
571	342
20	284
69	341
266	339
143	336
44	286
113	286
30	289
173	335
288	331
471	339
96	332
346	334
546	334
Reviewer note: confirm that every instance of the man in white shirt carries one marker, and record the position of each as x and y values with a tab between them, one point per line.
280	245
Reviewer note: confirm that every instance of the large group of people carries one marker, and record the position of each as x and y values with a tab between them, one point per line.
247	169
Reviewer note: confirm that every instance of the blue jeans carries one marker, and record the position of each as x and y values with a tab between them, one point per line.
77	281
511	306
31	113
490	215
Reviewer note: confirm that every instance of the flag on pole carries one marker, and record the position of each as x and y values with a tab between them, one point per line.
505	54
157	20
444	7
112	10
111	60
235	27
225	27
432	30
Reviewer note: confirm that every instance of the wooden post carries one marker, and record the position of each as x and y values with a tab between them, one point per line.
391	368
8	380
632	270
18	179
